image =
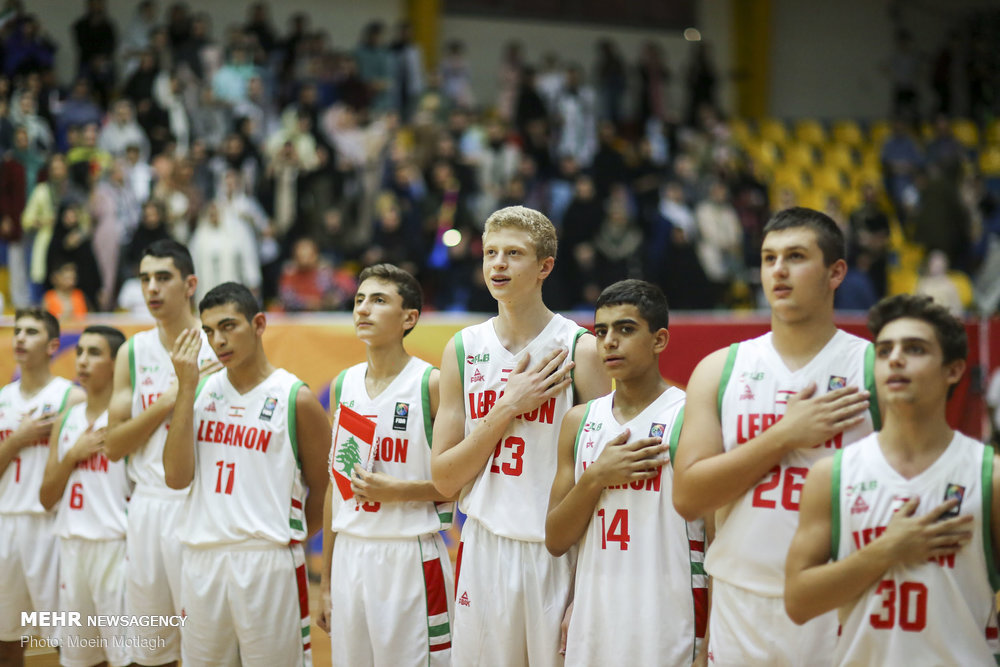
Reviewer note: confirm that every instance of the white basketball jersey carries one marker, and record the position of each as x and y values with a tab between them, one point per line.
640	569
151	373
753	532
942	612
402	449
247	486
22	480
511	494
92	506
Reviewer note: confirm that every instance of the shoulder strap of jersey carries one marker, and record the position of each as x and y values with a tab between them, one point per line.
65	398
579	429
425	401
338	389
572	354
293	437
675	434
873	408
131	362
201	385
62	424
460	357
727	370
987	495
838	458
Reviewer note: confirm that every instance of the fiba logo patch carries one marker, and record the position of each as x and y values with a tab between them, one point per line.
399	416
836	382
657	430
270	403
954	492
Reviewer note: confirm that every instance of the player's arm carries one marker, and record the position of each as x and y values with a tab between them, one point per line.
706	477
380	487
125	432
323	618
456	459
313	432
178	452
815	585
30	429
590	380
58	471
571	505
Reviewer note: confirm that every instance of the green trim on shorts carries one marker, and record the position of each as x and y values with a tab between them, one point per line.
727	371
991	565
838	458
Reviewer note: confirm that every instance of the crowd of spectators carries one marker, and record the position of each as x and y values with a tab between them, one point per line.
288	163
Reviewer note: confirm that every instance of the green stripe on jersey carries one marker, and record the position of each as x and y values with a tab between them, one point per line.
62	406
62	423
439	630
572	354
727	370
697	568
675	435
338	388
873	408
293	436
131	362
987	482
579	429
446	517
295	523
425	400
460	356
201	385
838	458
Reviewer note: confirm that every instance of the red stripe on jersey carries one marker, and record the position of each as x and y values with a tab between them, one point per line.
296	503
306	646
992	633
696	545
440	647
302	581
437	592
700	611
458	565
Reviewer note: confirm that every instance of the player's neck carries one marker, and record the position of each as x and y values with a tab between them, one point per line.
98	401
34	378
913	438
385	363
170	329
634	395
798	342
520	323
251	373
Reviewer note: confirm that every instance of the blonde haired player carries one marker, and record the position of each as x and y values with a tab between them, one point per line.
29	551
638	558
759	414
145	390
900	530
505	386
91	493
386	568
251	441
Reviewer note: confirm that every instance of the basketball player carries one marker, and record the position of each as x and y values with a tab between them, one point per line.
245	439
899	530
505	386
391	582
90	519
144	392
759	414
612	492
29	551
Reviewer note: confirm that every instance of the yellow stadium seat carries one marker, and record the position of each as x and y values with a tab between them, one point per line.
740	131
865	174
839	155
810	131
989	161
764	153
966	132
850	200
871	158
847	132
993	132
774	130
791	176
831	179
814	199
799	155
878	131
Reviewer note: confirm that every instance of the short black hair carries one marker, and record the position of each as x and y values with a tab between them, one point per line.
45	317
175	251
114	337
829	237
648	299
406	285
949	330
238	295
